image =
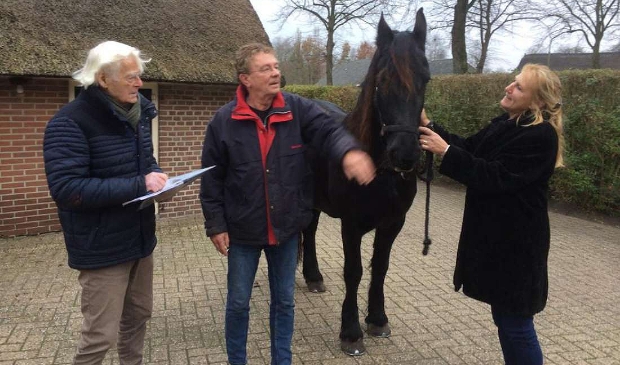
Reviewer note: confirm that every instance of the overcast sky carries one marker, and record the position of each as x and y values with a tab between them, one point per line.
506	50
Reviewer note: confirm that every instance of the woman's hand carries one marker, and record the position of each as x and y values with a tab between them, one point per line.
431	141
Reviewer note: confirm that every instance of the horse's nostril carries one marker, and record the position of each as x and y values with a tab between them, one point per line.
401	163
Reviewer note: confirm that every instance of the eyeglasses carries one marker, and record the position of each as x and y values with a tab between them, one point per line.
267	69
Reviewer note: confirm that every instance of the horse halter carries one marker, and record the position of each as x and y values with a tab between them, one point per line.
385	128
428	168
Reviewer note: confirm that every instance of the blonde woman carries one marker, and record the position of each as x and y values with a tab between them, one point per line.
504	243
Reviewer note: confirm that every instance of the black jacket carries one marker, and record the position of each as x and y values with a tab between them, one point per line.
504	243
261	190
95	161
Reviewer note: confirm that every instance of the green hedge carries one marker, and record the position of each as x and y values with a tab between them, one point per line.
591	100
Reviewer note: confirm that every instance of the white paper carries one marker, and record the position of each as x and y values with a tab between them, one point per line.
176	182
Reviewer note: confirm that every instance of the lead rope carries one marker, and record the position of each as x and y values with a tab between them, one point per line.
429	177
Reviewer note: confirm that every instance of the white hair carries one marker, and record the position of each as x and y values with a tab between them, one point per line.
106	55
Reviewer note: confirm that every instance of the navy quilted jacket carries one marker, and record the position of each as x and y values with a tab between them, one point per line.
95	161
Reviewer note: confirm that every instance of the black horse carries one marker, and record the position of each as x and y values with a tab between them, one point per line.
385	120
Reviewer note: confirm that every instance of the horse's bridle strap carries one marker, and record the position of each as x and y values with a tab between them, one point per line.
398	128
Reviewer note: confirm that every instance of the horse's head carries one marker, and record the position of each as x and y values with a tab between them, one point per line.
398	74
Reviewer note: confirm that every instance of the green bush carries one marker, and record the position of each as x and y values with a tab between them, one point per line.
592	132
591	102
343	96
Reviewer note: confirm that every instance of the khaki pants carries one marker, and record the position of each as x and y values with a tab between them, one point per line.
117	302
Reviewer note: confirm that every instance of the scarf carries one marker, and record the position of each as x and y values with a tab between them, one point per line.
132	115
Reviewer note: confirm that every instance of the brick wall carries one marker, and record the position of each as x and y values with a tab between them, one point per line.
25	205
184	112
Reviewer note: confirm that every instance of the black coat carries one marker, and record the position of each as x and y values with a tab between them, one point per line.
95	161
504	243
261	190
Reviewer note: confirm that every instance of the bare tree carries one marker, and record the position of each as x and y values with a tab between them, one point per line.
312	51
492	16
334	14
592	19
452	14
345	54
550	32
436	47
365	51
287	50
301	58
486	17
459	46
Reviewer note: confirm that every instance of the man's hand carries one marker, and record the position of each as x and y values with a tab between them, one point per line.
221	242
358	165
155	181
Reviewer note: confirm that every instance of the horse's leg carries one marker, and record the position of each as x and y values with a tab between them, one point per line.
377	320
311	272
351	335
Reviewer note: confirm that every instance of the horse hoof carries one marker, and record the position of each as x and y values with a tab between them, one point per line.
316	287
379	331
353	348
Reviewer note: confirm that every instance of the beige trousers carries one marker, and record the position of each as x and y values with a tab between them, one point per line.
117	301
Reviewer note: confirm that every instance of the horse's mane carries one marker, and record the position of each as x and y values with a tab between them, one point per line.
399	75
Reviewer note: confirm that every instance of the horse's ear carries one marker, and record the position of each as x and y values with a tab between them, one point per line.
419	31
384	33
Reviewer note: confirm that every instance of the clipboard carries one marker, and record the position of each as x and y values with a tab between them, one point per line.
173	186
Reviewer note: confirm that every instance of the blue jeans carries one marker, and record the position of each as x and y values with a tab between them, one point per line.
242	266
518	339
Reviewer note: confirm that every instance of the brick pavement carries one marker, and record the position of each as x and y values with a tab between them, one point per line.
431	324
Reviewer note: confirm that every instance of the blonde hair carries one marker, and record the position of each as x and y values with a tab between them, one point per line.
245	54
547	102
106	57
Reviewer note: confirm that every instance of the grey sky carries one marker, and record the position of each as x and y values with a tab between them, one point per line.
507	50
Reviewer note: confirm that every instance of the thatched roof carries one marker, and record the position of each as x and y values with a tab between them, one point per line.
188	41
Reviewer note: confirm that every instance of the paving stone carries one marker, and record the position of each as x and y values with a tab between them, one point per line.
40	315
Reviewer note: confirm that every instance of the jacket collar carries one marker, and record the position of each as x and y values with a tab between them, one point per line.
521	120
242	109
94	92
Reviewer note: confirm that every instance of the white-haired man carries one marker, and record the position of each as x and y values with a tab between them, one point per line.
98	154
